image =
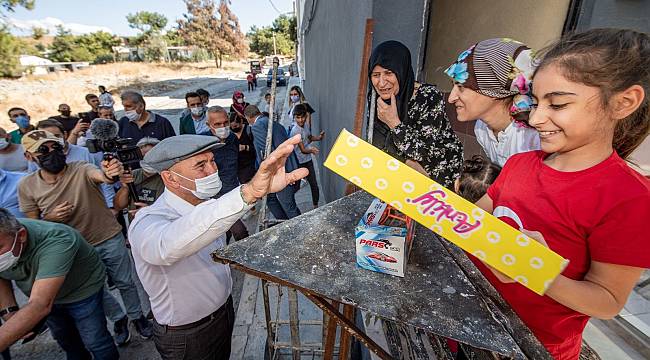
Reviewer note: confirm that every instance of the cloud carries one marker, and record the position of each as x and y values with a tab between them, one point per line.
50	24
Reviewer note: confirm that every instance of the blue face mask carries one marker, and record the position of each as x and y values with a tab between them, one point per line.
22	121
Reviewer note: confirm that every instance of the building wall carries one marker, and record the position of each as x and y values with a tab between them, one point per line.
333	46
628	14
403	21
333	43
457	24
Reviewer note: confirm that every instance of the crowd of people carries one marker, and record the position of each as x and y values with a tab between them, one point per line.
64	200
555	169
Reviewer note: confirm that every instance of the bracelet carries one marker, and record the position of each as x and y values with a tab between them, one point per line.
241	193
8	310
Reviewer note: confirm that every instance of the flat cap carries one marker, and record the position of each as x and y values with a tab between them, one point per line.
178	148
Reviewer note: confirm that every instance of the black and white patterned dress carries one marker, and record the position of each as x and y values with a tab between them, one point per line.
427	137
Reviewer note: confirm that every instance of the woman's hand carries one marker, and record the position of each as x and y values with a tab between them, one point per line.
387	113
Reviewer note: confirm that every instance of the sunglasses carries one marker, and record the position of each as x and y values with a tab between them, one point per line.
44	149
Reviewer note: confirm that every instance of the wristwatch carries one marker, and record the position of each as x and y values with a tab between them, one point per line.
241	193
8	310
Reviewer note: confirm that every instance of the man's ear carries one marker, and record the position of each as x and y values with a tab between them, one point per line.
168	179
29	156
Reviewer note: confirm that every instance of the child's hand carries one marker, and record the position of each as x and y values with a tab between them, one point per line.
314	150
536	235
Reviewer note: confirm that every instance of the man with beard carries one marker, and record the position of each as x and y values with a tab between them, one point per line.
70	194
68	121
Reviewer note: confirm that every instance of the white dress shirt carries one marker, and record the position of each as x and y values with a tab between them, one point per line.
171	241
514	139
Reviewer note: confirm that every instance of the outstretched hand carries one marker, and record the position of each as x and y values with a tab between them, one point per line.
271	176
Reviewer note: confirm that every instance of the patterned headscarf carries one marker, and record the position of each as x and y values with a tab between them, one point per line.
498	68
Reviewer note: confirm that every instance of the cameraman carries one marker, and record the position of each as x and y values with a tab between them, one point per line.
69	194
148	184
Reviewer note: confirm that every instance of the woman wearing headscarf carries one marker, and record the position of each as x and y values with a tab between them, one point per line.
492	85
410	121
238	106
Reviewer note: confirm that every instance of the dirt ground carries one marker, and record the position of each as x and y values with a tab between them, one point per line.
41	95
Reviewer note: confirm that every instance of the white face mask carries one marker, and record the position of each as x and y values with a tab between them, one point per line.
222	132
3	143
7	260
197	111
206	187
132	115
240	100
295	98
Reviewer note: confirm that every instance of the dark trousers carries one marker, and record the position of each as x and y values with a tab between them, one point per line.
283	203
238	231
311	179
209	340
80	329
251	86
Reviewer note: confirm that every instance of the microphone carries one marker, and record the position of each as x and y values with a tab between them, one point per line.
104	129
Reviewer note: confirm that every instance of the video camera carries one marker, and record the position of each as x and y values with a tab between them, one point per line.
120	148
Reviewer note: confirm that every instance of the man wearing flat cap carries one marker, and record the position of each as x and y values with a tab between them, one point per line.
172	239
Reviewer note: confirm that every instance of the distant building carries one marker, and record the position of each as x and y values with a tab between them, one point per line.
40	66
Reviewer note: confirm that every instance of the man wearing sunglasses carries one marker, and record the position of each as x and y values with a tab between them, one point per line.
70	194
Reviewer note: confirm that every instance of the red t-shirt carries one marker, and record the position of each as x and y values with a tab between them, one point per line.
598	214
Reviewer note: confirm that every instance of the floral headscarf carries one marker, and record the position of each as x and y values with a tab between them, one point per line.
498	68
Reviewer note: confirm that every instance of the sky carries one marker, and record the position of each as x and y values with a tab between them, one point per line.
83	16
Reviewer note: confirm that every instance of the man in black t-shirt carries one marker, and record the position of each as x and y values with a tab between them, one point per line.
65	118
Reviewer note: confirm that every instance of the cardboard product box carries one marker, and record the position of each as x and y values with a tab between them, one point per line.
383	239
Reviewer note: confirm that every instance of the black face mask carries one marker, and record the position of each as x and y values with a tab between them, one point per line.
52	162
65	113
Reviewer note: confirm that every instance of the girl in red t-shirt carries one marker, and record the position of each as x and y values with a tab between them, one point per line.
577	195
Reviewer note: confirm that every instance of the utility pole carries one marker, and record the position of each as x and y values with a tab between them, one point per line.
275	47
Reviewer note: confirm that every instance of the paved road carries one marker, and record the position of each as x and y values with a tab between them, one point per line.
170	105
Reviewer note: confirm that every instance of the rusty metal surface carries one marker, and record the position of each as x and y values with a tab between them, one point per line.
316	252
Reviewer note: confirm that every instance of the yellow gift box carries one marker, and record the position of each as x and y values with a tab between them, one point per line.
445	213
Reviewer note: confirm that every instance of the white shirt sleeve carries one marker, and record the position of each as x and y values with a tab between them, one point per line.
164	241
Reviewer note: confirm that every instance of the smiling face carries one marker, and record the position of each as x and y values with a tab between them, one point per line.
569	116
385	82
470	105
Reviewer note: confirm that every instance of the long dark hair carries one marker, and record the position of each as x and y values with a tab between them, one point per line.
611	60
477	176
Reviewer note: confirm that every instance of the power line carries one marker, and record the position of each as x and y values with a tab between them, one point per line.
275	7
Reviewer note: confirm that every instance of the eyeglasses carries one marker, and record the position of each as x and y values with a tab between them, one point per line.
44	149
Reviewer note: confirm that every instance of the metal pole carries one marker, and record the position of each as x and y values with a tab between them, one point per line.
371	113
269	137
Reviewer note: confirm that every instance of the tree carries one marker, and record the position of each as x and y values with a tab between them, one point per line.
218	35
284	30
151	25
10	5
38	33
147	22
9	53
87	47
63	46
174	38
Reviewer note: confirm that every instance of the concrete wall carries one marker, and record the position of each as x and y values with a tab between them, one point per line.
333	44
457	24
628	14
402	21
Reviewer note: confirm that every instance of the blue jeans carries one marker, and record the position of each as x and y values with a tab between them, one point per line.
119	267
283	203
80	329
